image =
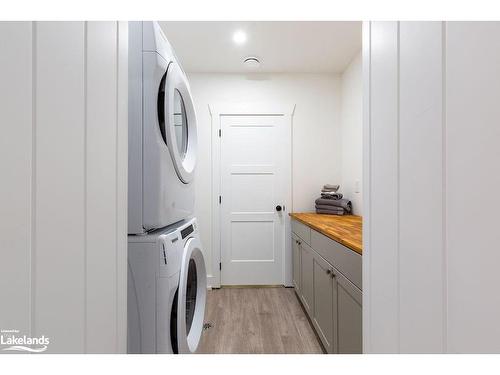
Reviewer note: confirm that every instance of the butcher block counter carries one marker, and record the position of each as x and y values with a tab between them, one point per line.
346	229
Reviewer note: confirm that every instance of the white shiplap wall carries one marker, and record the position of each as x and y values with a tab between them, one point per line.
472	134
431	132
16	188
380	128
63	193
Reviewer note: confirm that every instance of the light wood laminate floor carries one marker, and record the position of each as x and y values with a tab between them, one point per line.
257	320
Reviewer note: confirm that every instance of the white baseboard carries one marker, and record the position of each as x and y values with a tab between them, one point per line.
212	282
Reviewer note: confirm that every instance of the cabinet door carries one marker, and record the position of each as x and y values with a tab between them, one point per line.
306	276
296	263
349	317
325	301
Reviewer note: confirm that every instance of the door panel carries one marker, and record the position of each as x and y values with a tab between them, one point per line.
252	192
253	183
252	240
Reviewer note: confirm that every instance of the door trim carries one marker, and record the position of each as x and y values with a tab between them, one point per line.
217	110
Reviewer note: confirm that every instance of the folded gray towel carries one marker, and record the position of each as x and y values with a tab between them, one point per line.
329	208
331	195
344	203
330	187
329	212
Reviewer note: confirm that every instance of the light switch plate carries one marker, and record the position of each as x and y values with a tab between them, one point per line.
356	186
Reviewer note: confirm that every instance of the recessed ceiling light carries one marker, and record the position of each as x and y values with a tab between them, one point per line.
239	37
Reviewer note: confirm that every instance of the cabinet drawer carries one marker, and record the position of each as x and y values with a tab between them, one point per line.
301	230
344	259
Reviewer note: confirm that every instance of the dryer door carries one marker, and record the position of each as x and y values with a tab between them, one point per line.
192	296
177	119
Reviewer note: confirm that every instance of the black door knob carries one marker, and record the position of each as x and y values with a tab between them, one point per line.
278	208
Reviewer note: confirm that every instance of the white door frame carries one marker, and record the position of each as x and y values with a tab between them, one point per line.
248	108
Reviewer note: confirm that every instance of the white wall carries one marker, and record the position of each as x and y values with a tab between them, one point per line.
316	133
351	120
63	113
431	230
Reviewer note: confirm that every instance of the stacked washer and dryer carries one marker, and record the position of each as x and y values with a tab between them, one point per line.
166	270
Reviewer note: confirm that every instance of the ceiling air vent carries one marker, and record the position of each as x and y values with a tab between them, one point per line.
251	63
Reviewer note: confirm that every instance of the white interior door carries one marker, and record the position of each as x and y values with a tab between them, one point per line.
255	185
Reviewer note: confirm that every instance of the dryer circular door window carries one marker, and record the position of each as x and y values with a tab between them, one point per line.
192	296
177	121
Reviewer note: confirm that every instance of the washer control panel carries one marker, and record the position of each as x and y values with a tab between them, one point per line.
169	254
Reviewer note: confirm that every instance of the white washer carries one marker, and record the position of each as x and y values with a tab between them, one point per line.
162	133
167	288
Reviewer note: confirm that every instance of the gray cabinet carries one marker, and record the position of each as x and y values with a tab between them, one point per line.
302	231
327	279
325	303
347	261
349	317
296	263
306	276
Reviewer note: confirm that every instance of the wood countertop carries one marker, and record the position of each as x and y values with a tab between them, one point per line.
346	229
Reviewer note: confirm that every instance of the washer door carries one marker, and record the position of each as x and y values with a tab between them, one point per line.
192	296
177	121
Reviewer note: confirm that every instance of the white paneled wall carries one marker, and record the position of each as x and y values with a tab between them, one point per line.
63	193
472	164
421	187
16	189
431	152
59	184
381	174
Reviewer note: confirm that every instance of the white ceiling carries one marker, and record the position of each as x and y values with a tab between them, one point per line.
282	47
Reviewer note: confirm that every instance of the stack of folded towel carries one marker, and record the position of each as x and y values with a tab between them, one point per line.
331	201
330	192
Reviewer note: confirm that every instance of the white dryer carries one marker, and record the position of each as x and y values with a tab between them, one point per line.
162	133
167	286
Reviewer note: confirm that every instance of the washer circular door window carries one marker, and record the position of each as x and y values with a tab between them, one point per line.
192	296
177	121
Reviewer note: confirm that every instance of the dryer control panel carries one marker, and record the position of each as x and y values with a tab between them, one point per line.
187	231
